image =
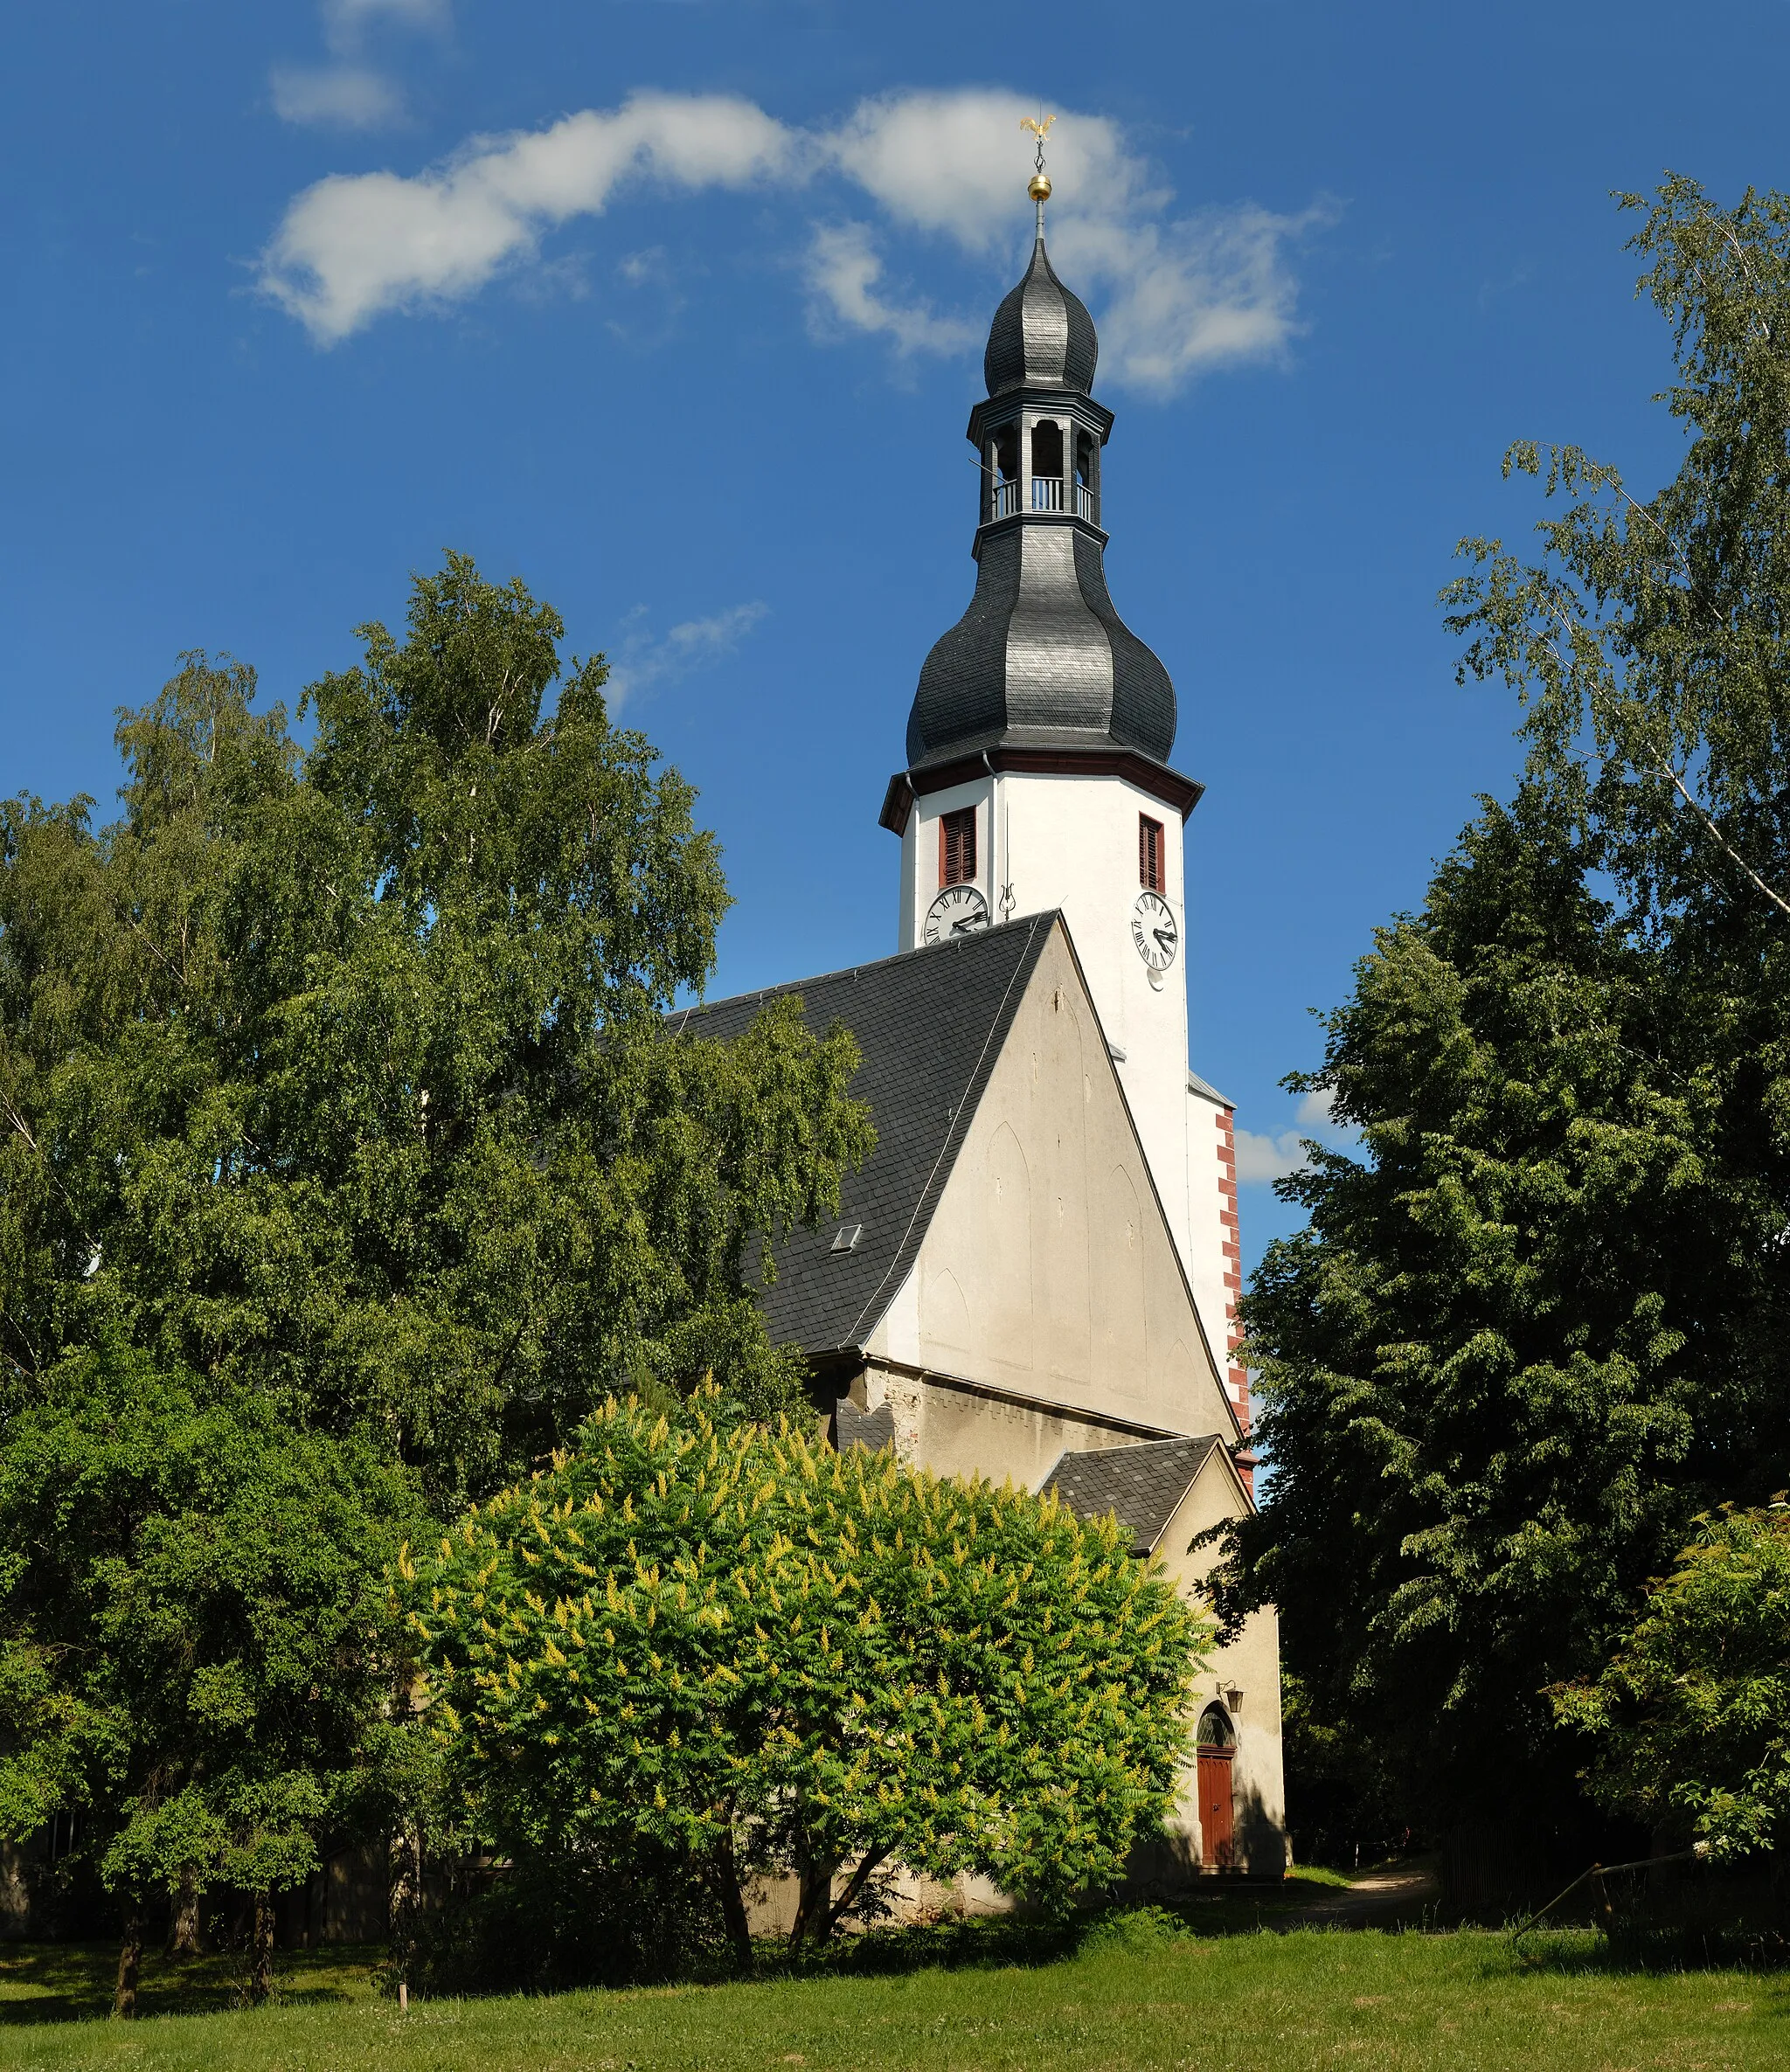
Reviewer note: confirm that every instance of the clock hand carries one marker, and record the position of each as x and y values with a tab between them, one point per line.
1165	937
970	921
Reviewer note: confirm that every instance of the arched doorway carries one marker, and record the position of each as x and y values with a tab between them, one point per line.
1216	1746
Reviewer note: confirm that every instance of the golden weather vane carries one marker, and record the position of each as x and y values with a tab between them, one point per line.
1039	188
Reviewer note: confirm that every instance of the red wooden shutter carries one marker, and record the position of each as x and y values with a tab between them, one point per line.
1150	853
957	846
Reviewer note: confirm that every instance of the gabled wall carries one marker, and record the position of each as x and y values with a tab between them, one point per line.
1048	1272
1250	1666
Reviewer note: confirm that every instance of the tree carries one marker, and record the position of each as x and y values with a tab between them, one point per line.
1650	644
1691	1718
343	1073
198	1649
1650	648
1496	1366
718	1641
1537	1322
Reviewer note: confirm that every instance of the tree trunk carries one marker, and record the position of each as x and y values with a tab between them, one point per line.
183	1940
813	1903
867	1863
726	1876
130	1959
404	1895
260	1976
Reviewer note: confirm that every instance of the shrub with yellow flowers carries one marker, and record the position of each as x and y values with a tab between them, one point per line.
704	1636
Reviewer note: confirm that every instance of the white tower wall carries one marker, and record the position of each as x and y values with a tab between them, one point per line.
1070	842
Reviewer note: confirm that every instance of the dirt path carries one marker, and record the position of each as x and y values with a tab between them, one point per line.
1387	1898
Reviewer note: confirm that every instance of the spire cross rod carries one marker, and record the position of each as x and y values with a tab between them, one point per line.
1040	188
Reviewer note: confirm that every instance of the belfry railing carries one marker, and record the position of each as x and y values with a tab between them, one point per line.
1047	495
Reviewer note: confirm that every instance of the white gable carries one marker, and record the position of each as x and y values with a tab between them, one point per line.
1048	1271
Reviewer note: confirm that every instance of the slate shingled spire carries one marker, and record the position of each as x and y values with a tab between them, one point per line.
1043	337
1041	660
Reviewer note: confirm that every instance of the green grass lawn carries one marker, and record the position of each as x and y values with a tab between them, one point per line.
1131	2000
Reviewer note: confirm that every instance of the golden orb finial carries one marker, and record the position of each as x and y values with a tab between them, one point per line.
1039	189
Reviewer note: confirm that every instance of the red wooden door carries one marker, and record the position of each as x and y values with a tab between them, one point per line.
1215	1827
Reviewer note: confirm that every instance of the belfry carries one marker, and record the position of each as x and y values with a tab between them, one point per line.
1032	1277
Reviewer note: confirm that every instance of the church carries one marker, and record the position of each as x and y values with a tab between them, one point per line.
1035	1274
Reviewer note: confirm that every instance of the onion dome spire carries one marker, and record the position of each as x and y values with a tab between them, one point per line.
1043	337
1041	661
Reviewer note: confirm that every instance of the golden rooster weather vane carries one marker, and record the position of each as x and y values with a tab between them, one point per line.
1039	188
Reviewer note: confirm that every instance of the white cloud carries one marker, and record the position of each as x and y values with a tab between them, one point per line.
1261	1159
1210	290
642	269
356	246
347	95
955	162
842	271
1183	296
1317	1108
345	22
1264	1158
641	663
1179	295
1317	1117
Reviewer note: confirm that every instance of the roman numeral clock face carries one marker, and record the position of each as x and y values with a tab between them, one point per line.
1154	932
959	910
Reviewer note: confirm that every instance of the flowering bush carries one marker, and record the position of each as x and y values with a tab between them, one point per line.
731	1643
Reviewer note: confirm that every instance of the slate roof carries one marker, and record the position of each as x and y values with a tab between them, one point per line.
853	1427
1040	658
1140	1484
930	1025
1042	336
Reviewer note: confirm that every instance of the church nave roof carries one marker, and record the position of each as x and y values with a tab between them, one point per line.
930	1025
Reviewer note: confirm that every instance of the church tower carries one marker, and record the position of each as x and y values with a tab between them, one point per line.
1038	774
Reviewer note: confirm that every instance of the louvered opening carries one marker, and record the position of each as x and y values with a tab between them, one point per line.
1150	853
957	846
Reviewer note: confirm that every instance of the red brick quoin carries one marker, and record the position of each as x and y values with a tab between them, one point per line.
1237	1377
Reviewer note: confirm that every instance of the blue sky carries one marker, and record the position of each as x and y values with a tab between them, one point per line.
675	308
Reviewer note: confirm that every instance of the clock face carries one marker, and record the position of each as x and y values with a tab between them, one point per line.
1154	931
959	910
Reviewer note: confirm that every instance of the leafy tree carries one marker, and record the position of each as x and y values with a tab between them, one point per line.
198	1649
341	1072
1649	645
1495	1366
733	1647
1343	1797
1537	1322
1692	1717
